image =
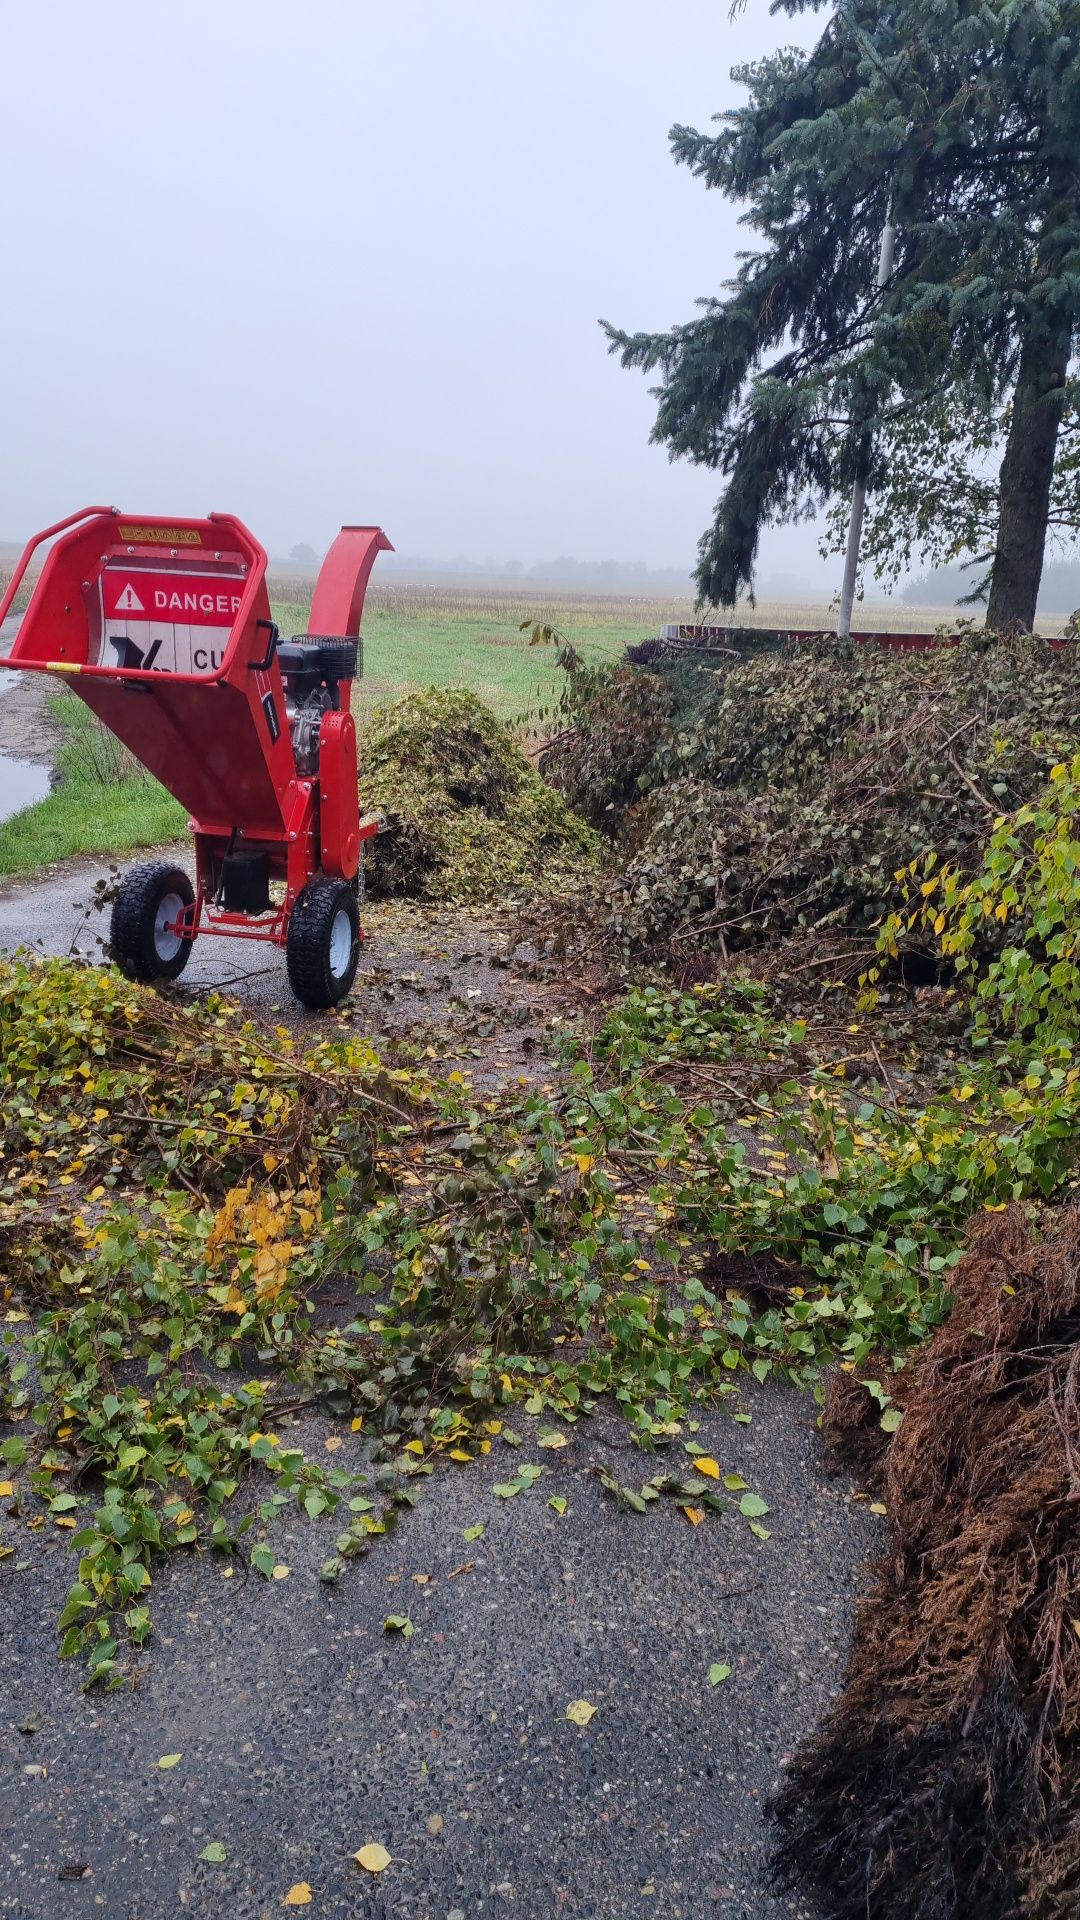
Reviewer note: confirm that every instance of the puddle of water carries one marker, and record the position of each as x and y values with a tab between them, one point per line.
21	783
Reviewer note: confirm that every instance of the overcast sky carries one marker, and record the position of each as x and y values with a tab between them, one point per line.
345	261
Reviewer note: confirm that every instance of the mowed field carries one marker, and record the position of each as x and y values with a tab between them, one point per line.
422	636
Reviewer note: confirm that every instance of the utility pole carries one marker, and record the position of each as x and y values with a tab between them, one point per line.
858	497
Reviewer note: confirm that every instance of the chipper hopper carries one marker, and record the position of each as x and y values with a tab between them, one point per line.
163	627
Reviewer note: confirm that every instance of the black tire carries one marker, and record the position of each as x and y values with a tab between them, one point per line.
321	969
137	938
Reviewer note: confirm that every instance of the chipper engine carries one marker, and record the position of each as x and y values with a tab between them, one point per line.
163	627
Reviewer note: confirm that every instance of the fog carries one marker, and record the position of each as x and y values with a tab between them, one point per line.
346	262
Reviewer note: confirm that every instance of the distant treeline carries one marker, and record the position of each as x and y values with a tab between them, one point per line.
948	586
628	575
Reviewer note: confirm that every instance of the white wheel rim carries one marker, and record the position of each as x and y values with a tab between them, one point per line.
167	944
341	943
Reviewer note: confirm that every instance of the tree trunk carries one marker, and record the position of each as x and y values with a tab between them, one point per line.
1026	474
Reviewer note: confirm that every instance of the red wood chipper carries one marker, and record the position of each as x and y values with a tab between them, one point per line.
163	627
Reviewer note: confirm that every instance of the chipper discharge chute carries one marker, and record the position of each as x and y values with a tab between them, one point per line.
163	627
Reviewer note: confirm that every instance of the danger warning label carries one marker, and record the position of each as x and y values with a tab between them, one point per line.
195	599
175	621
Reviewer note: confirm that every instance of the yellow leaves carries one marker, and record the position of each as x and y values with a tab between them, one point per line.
459	1453
281	1572
334	1443
939	923
580	1712
169	1760
372	1858
7	1488
585	1162
1001	912
298	1895
695	1515
704	1463
358	1424
416	1447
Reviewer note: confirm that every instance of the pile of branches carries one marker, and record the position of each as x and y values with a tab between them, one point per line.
945	1780
466	815
786	795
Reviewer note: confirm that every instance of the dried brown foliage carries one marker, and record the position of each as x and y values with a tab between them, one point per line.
945	1782
853	1439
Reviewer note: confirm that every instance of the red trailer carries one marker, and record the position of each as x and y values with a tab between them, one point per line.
163	627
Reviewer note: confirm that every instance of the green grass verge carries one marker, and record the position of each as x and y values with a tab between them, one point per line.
104	803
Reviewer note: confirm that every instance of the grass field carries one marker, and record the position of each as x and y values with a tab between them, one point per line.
414	636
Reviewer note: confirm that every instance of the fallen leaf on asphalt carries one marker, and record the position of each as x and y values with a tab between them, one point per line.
65	1520
718	1672
435	1823
358	1424
298	1895
552	1441
580	1712
473	1533
752	1506
281	1572
169	1760
372	1858
467	1566
704	1463
557	1503
215	1853
459	1453
333	1443
695	1515
6	1489
734	1482
398	1623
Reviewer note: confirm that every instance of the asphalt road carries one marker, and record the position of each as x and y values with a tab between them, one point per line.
305	1731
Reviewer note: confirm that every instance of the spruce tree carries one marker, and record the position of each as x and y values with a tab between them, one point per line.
961	120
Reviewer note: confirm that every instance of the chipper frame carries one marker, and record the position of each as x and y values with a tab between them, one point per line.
163	627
